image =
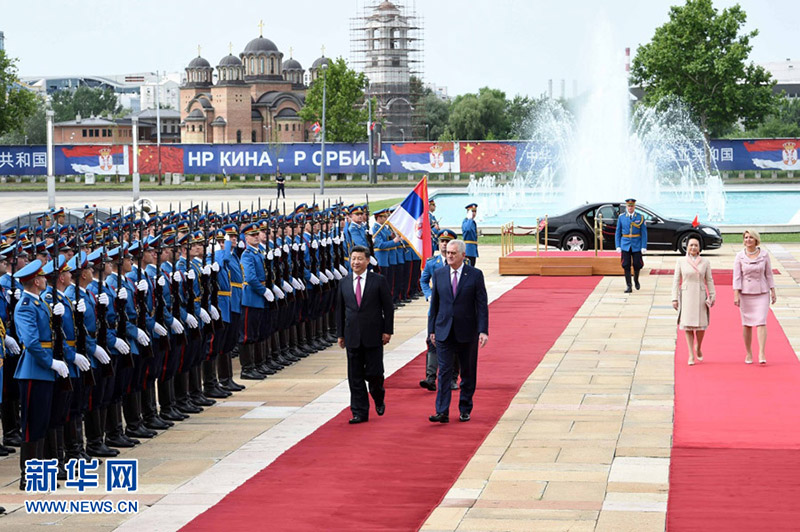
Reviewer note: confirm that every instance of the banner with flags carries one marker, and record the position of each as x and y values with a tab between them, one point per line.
411	221
101	160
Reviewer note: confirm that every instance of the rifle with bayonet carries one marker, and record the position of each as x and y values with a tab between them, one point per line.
141	302
175	287
101	314
377	268
188	284
120	304
81	333
12	327
56	322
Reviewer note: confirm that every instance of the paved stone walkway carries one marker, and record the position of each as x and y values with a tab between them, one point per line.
584	445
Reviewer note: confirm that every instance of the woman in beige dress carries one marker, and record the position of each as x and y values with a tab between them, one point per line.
693	296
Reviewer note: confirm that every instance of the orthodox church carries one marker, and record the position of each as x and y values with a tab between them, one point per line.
255	97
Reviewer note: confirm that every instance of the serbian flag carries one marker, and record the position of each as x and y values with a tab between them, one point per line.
101	160
426	156
778	154
316	128
411	220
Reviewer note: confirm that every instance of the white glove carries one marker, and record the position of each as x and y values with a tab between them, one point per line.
295	247
82	362
373	261
336	240
303	246
328	241
324	278
329	274
287	287
206	270
101	355
268	295
297	284
214	312
336	274
619	250
103	299
240	245
81	306
277	252
142	286
215	267
314	244
58	309
286	248
60	367
190	274
122	294
176	327
121	346
314	280
204	317
17	294
191	321
159	330
342	270
278	292
161	280
142	338
269	255
12	346
644	250
177	276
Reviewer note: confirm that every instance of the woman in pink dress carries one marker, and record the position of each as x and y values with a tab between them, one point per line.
693	295
753	289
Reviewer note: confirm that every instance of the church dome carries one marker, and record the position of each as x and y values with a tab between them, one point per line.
318	63
260	45
292	64
230	60
199	62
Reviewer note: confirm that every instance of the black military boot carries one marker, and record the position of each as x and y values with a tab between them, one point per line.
294	348
330	334
308	337
636	279
51	450
150	416
246	357
95	446
73	448
166	401
210	384
28	451
196	394
134	428
628	288
183	402
270	361
225	372
115	436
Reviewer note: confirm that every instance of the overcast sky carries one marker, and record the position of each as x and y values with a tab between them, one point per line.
513	45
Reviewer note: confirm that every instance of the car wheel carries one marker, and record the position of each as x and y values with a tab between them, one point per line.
574	241
684	240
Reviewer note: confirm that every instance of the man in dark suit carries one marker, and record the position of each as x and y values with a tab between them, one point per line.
458	322
365	323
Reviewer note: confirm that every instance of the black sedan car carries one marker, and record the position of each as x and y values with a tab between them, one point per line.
574	231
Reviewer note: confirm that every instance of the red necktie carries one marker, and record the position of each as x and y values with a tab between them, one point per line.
358	290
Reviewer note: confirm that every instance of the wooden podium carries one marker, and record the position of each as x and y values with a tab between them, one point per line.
561	263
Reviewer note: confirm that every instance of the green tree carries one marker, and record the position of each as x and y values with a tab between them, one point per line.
700	56
84	101
34	127
346	114
434	116
519	111
479	116
16	103
783	122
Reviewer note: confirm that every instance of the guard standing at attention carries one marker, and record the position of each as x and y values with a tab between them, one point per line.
469	232
631	242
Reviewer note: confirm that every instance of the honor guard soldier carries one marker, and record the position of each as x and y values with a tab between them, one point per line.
385	243
9	352
433	264
37	369
469	232
255	296
435	229
631	242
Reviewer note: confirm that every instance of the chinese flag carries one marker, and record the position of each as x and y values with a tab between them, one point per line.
171	159
488	157
695	222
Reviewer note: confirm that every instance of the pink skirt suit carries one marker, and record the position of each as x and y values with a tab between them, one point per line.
753	278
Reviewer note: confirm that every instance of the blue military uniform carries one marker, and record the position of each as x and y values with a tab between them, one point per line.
469	232
631	240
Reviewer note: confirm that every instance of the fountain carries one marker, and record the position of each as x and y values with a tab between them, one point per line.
605	152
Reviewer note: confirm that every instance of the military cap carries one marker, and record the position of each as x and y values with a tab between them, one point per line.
78	262
630	201
300	208
357	209
381	212
197	238
219	234
113	254
59	266
447	234
95	256
251	229
31	270
472	206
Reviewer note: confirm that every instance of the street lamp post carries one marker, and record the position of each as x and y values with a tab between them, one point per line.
427	132
324	68
135	135
51	178
403	133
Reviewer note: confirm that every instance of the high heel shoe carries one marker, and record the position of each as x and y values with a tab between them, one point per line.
748	359
762	361
699	356
691	362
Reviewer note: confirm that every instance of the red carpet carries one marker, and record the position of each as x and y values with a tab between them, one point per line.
390	473
736	445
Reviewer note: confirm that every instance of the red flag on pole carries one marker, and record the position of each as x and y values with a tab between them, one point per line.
695	223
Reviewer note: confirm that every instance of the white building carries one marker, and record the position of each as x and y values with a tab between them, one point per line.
787	75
